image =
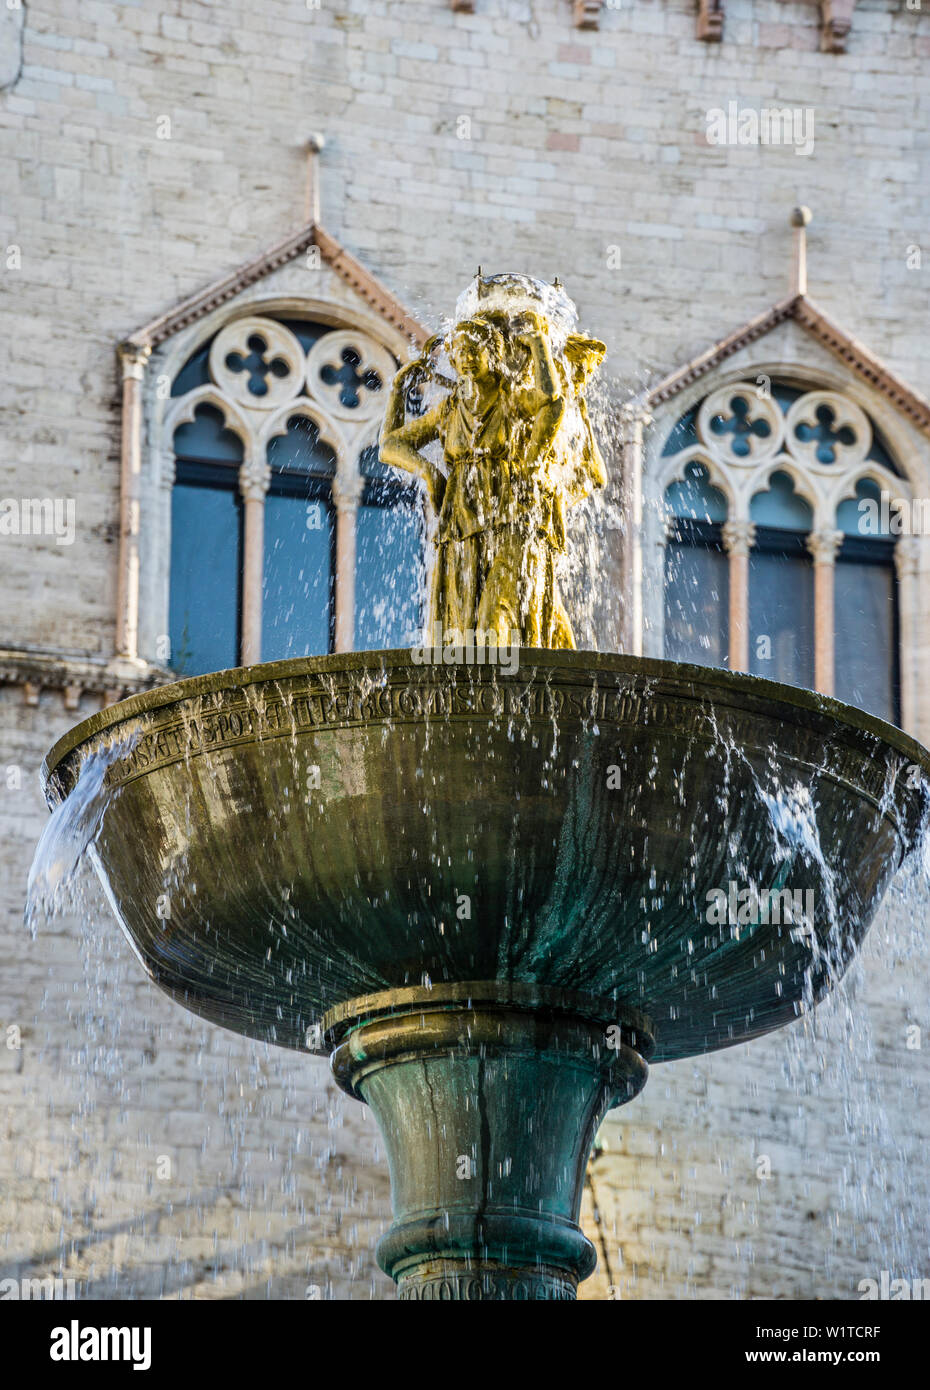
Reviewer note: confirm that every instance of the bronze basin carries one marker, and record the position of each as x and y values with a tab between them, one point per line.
467	883
466	827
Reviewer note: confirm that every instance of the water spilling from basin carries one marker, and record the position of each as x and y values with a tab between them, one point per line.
494	881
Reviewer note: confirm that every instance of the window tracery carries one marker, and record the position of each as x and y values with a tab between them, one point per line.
794	469
297	405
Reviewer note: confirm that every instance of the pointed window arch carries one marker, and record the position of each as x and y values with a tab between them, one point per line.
304	289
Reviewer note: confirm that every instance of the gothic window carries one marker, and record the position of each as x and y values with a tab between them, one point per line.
289	537
774	561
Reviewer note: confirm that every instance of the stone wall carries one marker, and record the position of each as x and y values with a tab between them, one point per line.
150	147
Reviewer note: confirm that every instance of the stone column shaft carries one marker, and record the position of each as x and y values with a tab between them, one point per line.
133	359
738	540
824	545
633	420
254	478
907	565
346	497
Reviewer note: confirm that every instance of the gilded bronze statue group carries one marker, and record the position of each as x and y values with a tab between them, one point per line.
512	448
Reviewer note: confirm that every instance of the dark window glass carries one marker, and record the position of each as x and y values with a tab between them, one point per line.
297	609
696	576
880	454
862	515
866	628
781	608
785	395
389	569
683	435
301	450
388	578
696	598
205	439
299	569
780	506
305	332
372	466
781	585
206	564
194	373
206	546
695	497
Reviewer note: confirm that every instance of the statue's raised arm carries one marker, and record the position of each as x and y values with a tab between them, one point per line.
541	398
517	450
402	440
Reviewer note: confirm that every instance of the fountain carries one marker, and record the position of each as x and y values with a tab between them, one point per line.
492	878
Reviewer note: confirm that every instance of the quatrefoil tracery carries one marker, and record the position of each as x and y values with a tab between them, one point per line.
822	430
823	441
826	430
257	362
740	425
260	365
257	365
350	374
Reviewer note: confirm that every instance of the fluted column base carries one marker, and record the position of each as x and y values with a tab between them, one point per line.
489	1097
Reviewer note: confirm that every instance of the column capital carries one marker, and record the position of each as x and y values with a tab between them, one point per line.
133	359
906	556
738	537
824	545
634	417
254	480
347	493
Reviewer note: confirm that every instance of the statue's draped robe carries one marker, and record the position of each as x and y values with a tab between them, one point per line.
501	527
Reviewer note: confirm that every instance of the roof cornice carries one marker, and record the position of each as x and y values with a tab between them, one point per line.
366	285
803	311
712	357
910	402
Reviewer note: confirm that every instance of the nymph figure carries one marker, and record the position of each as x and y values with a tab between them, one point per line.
516	449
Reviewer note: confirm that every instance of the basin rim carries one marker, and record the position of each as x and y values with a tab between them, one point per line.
530	658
